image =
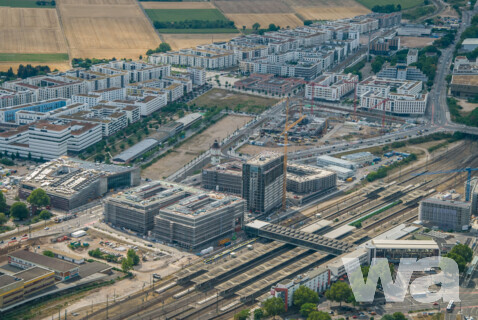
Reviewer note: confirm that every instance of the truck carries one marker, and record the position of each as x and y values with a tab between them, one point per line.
349	179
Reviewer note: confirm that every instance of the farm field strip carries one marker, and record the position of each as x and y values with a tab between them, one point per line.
176	5
406	4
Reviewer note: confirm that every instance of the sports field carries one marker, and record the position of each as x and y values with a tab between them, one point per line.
106	28
406	4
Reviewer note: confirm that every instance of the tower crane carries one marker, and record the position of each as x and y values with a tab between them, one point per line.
383	102
286	141
468	180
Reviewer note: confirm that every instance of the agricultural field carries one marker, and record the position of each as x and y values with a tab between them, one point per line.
176	5
30	36
192	148
189	40
190	21
406	4
106	28
287	12
26	4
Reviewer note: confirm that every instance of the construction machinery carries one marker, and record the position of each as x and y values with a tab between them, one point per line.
468	180
287	127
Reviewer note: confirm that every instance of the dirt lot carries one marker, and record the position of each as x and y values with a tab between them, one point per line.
416	42
224	98
27	30
177	5
60	66
181	41
106	28
467	106
192	148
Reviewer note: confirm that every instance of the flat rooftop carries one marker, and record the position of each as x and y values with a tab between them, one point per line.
301	173
316	226
33	273
465	79
6	280
44	261
263	158
404	244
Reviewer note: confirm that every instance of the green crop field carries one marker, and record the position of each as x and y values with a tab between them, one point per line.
192	31
25	4
406	4
33	57
173	15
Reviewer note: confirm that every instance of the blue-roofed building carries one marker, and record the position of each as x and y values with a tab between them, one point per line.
8	114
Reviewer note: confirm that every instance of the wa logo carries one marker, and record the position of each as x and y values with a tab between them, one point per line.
395	291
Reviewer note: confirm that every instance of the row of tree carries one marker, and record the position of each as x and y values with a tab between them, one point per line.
24	72
388	8
163	47
194	24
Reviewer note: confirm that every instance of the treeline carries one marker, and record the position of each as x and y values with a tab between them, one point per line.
24	72
388	8
163	47
383	171
87	63
194	24
428	63
355	69
418	12
470	119
256	27
446	40
45	3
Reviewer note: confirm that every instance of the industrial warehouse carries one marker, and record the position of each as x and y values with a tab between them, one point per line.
176	213
71	183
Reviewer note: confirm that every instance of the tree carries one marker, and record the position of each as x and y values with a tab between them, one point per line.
99	157
339	292
308	22
307	308
305	295
460	261
256	26
3	202
131	254
48	253
319	315
126	265
44	215
274	306
258	314
462	250
38	198
242	315
164	47
3	218
19	210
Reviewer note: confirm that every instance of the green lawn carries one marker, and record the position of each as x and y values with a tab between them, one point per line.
33	57
172	15
406	4
24	4
189	31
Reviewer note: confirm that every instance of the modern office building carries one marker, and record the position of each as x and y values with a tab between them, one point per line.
262	182
71	183
226	177
445	214
330	86
303	179
394	250
200	220
403	72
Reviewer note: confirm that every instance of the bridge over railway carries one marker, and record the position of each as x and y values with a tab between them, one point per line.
298	238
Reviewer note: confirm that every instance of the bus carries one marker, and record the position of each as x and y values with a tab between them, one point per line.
451	306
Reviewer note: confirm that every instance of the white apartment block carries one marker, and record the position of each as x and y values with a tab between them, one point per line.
198	75
384	86
48	140
10	98
90	99
137	70
83	135
110	93
400	104
205	57
330	86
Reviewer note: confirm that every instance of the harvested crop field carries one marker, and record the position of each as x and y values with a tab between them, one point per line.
194	147
106	28
25	30
330	13
264	19
181	41
176	5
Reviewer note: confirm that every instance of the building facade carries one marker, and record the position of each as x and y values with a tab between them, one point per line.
445	214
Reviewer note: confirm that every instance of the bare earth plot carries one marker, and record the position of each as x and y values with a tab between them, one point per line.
27	30
106	28
416	42
326	9
192	148
181	41
176	5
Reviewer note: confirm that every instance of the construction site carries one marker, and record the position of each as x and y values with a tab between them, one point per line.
220	285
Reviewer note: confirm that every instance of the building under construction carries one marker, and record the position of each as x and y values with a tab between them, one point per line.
262	182
71	183
199	220
135	209
302	179
226	177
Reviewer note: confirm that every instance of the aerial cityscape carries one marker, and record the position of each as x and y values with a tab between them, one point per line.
239	159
